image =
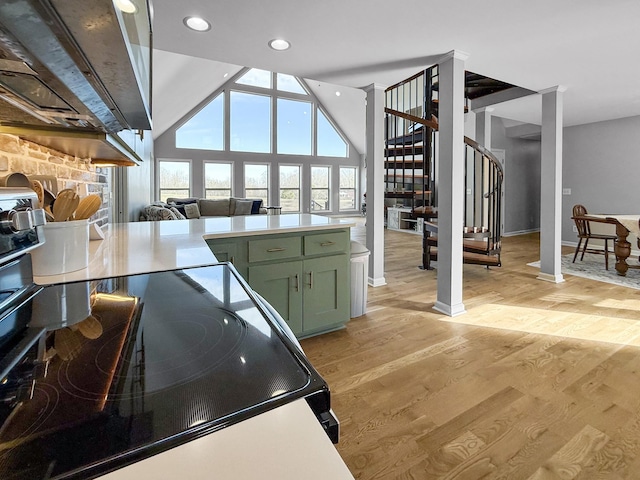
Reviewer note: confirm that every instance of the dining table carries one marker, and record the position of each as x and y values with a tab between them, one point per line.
625	225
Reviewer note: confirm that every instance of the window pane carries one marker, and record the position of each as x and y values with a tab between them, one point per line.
205	130
256	182
289	176
320	177
250	123
256	176
217	180
294	127
289	83
290	200
174	174
347	177
319	199
330	143
256	78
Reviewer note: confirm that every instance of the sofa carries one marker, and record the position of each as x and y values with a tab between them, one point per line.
186	208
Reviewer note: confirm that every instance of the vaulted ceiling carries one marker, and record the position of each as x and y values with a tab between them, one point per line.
589	46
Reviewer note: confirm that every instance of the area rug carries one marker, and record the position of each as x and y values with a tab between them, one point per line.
592	267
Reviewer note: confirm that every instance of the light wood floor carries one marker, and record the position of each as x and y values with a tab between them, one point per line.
538	380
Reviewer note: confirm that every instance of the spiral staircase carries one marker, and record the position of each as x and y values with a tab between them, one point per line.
411	137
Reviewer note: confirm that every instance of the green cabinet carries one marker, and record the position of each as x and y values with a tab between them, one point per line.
303	275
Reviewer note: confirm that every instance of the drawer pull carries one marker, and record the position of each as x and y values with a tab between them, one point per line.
277	249
327	244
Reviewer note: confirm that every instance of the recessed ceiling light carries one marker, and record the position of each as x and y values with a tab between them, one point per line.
198	24
338	93
126	6
279	44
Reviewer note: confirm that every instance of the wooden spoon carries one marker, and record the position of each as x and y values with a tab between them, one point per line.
37	187
88	206
66	203
90	327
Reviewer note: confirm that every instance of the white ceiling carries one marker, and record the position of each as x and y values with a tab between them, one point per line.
591	47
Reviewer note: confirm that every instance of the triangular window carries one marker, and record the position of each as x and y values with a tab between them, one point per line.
330	142
205	129
256	78
289	83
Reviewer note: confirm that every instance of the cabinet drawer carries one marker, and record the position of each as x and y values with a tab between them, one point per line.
323	243
274	249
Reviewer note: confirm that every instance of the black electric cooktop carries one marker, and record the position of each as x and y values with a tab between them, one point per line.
139	364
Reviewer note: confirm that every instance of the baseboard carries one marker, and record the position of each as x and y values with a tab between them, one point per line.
520	232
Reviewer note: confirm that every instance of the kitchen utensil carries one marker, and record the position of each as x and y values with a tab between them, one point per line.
66	203
67	343
88	206
37	187
90	327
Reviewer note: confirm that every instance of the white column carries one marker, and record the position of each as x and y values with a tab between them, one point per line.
483	126
375	183
551	186
451	183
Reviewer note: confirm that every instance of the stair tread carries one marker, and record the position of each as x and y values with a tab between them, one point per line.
471	258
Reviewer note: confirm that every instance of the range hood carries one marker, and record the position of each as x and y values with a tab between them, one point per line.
74	73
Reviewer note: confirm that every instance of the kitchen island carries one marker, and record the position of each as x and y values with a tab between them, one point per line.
144	247
298	262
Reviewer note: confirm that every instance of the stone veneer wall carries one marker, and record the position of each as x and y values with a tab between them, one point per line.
21	156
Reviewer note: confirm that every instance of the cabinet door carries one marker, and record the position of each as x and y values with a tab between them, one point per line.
326	292
224	252
281	285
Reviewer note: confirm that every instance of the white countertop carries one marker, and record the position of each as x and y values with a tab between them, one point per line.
286	443
143	247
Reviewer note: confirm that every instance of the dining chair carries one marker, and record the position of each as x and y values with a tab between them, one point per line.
584	233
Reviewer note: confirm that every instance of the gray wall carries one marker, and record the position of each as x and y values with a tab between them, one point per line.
601	166
522	179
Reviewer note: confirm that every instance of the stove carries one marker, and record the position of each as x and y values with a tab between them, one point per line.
100	374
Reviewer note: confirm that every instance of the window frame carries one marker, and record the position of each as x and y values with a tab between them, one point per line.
298	189
354	189
327	189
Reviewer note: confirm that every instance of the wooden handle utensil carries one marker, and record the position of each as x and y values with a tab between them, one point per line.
66	203
88	206
37	187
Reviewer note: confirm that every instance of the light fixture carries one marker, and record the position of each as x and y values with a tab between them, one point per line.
198	24
126	6
279	44
113	162
338	93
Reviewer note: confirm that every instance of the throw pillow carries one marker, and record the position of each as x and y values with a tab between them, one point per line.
243	207
179	208
178	213
192	210
255	208
214	208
